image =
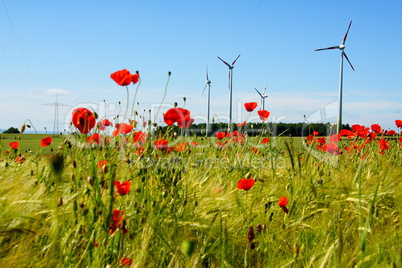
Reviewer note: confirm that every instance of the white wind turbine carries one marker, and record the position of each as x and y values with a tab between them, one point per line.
230	66
341	47
208	83
263	97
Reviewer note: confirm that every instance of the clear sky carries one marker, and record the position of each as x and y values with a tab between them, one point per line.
71	48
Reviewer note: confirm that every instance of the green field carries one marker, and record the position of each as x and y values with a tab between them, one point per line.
184	208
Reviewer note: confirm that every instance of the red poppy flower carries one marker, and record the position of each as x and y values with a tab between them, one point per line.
335	138
264	140
398	123
102	163
391	133
117	222
370	137
220	135
376	128
331	148
83	119
245	184
194	143
283	201
250	106
181	147
140	137
264	114
122	128
384	144
96	138
123	187
174	115
255	150
126	262
360	131
321	140
104	123
232	134
316	133
14	145
20	159
220	144
124	77
46	141
161	144
185	123
242	124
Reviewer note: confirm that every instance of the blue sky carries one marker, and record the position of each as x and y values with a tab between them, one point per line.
71	48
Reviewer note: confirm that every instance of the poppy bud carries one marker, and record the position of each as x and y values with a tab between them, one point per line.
250	235
169	73
296	249
105	169
60	201
22	128
184	99
90	180
188	248
175	104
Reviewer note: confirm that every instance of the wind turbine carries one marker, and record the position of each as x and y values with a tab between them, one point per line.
341	47
230	66
208	83
263	97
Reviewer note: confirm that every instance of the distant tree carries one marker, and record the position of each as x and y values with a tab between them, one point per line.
12	130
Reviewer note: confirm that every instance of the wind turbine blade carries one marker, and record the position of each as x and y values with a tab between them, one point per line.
207	73
204	89
346	57
224	61
326	48
265	88
235	60
346	35
258	92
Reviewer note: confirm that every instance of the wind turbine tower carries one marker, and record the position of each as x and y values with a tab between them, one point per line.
341	47
208	83
230	66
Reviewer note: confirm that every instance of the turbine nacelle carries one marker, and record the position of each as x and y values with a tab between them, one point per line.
341	46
